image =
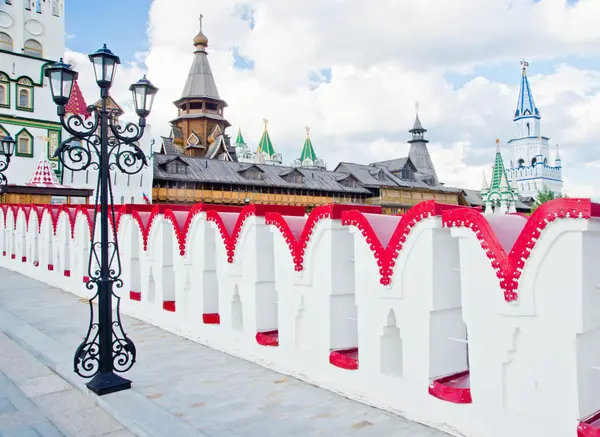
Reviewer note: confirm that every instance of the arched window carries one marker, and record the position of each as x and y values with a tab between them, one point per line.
6	42
24	98
33	48
4	91
528	130
521	162
533	161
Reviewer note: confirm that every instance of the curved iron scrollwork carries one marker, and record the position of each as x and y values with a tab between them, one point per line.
99	143
4	162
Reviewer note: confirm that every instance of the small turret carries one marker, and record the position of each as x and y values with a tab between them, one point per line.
557	160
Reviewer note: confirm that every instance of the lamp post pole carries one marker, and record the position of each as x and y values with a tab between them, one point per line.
101	144
6	152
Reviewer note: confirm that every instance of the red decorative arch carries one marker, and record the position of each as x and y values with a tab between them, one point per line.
297	231
88	212
71	212
230	223
386	256
144	219
15	212
54	212
26	211
509	266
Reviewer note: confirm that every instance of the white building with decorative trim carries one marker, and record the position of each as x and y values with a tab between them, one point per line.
530	165
32	37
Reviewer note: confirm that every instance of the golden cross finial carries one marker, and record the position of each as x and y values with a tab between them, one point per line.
201	16
524	64
307	131
497	141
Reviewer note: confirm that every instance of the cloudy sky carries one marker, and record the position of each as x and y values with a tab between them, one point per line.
352	70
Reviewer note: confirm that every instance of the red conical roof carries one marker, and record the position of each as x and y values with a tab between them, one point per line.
76	104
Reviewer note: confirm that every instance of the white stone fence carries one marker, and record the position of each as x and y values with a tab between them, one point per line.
480	325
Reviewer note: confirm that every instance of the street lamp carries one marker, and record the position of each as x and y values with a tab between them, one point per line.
101	144
8	148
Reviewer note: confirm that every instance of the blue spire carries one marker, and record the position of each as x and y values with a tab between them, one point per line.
525	105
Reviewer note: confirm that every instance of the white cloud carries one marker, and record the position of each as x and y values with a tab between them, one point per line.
383	57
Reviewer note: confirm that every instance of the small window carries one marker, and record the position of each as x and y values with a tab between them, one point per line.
211	106
132	200
33	48
24	98
196	105
122	200
521	162
55	8
533	161
27	5
528	130
4	99
38	6
24	143
6	42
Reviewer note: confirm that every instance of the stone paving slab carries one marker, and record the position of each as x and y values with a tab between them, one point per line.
36	402
180	388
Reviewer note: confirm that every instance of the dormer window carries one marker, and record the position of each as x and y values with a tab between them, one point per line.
253	172
294	177
177	167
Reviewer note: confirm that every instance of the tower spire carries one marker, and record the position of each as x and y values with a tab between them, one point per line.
201	41
265	145
308	151
526	105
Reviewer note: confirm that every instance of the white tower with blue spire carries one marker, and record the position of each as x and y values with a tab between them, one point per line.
529	166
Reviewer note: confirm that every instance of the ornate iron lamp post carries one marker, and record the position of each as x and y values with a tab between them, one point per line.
8	148
99	143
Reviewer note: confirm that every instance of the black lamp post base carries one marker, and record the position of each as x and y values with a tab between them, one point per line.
105	383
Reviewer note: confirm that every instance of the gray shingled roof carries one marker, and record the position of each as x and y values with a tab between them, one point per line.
202	170
366	176
169	147
393	165
200	81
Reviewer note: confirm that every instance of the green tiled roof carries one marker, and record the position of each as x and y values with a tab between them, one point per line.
240	138
499	173
308	151
265	144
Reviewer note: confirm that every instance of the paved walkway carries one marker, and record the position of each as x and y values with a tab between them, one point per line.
180	388
35	401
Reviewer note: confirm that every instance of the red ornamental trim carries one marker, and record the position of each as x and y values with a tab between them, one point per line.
268	338
15	211
27	211
230	236
13	256
443	388
144	219
67	273
303	227
169	305
50	267
4	212
88	213
54	212
135	295
181	223
345	358
509	267
211	319
86	279
39	213
36	263
23	259
71	213
386	257
590	427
